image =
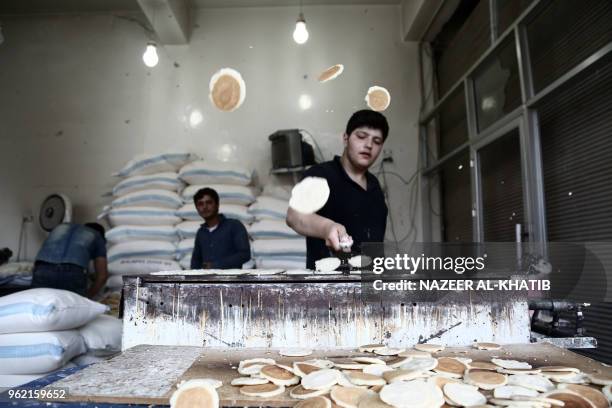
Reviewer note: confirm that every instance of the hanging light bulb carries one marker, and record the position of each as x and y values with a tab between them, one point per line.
150	57
300	34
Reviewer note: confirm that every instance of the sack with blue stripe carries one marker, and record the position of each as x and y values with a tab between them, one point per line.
125	233
43	309
159	181
39	353
141	249
279	247
269	208
271	229
150	198
141	215
154	163
202	172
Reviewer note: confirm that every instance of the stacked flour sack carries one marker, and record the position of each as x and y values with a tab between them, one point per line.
40	332
143	216
233	184
275	245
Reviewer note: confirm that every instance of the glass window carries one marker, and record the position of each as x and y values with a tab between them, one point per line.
502	188
455	195
564	34
508	11
451	119
497	86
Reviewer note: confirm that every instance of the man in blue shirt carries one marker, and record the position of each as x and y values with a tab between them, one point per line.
64	257
221	243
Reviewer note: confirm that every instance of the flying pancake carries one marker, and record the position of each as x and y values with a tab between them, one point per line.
314	402
451	367
378	98
464	394
369	348
348	397
264	390
484	379
195	393
309	195
227	90
299	392
359	378
278	375
487	346
430	348
330	73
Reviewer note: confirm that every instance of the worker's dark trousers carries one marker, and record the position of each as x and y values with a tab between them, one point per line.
60	276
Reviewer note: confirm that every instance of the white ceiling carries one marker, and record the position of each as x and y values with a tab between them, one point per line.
8	7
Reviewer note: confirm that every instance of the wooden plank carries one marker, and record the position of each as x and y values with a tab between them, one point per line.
148	374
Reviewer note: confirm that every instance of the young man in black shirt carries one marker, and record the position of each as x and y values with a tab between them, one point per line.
356	206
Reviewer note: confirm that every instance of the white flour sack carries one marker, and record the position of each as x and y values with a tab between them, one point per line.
141	249
187	230
149	198
202	172
143	164
277	191
142	216
103	333
158	181
42	309
138	266
279	247
269	208
271	229
185	262
228	194
37	353
188	212
124	233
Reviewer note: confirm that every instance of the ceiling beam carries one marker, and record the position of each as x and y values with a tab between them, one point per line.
169	19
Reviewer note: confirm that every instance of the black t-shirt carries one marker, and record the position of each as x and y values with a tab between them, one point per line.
362	212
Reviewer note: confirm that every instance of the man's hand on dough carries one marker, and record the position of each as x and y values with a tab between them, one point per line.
335	234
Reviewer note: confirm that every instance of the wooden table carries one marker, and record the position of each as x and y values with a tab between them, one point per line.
148	374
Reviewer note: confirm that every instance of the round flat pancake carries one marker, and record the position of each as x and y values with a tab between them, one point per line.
594	396
372	401
231	271
513	364
359	378
483	365
309	195
368	360
349	364
559	368
254	365
264	390
320	363
464	360
570	398
263	272
359	261
213	382
440	381
451	367
600	378
278	375
378	98
227	90
376	369
299	392
398	361
348	397
607	391
423	364
429	348
369	348
520	370
464	394
539	399
534	382
314	402
195	393
415	354
388	351
331	73
322	379
401	375
484	379
249	381
509	391
487	346
303	369
297	352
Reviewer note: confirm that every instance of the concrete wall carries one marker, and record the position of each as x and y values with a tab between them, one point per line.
77	102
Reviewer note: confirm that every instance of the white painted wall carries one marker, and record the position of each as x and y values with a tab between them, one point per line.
77	102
